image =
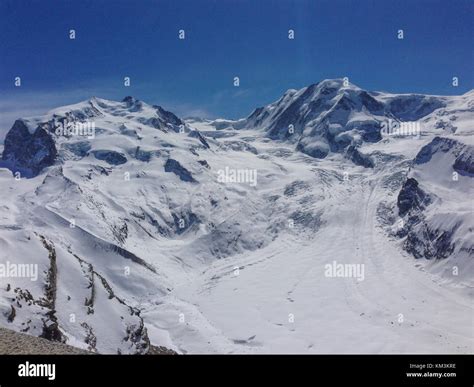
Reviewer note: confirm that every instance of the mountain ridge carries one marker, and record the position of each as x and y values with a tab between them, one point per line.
326	117
149	230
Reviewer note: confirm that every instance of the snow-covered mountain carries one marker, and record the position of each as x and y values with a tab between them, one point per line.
214	236
436	203
337	116
33	144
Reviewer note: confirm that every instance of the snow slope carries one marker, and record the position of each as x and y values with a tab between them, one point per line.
216	236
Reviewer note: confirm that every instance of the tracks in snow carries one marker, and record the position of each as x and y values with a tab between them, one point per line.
282	297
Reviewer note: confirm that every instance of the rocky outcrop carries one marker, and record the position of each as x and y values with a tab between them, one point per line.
411	196
463	154
110	157
68	133
359	158
175	167
433	226
29	152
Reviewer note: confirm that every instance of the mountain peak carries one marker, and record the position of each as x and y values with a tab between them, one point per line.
35	143
336	83
333	114
129	99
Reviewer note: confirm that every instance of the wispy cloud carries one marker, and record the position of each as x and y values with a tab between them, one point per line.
230	95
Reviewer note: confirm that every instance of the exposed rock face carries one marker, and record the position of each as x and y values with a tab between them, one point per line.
413	107
433	229
168	117
200	137
34	144
174	166
430	243
133	104
110	157
464	154
325	117
333	115
411	196
358	158
122	241
464	164
28	152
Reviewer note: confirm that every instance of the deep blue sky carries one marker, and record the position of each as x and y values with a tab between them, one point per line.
247	38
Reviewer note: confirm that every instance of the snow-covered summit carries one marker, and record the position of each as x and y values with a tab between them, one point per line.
148	230
96	126
334	114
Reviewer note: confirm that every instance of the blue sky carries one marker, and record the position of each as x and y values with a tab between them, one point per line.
224	39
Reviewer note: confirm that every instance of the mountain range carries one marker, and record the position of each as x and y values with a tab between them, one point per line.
151	231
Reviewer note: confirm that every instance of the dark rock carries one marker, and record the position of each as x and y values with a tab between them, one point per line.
200	137
204	163
110	157
464	163
413	107
174	166
26	152
438	144
358	158
424	242
12	314
370	102
168	116
464	154
411	196
133	104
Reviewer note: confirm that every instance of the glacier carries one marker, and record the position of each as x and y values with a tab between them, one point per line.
140	245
